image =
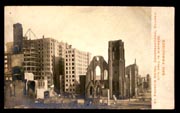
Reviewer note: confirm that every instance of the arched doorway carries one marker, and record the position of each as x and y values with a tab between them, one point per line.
31	88
91	91
98	91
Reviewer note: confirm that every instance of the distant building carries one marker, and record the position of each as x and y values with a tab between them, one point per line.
148	82
9	47
116	62
17	38
145	83
132	80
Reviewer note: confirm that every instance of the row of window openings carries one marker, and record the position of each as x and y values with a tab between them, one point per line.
41	77
70	85
30	64
41	84
69	72
36	69
69	51
8	78
69	64
29	54
70	89
69	68
33	69
30	59
48	52
47	65
36	60
70	59
69	76
38	78
69	55
69	80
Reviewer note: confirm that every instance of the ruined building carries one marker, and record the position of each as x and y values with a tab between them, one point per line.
97	78
132	80
116	61
30	62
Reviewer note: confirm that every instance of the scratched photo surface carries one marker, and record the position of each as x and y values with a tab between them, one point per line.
89	57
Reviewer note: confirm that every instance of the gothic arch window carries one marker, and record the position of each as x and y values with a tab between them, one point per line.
98	73
92	75
91	90
105	75
97	58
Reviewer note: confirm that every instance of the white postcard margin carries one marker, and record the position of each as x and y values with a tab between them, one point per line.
162	40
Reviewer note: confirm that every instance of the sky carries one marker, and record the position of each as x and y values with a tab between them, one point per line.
89	28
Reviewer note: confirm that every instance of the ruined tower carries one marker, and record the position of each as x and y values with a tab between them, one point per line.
116	61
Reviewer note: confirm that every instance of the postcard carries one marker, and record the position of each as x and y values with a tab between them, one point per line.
89	57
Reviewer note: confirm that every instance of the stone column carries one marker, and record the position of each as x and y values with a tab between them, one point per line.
110	69
108	100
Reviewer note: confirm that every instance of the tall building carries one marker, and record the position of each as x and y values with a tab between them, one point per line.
76	63
30	52
60	84
48	51
17	37
116	61
41	57
132	75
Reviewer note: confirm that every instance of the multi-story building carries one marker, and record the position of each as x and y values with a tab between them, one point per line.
57	61
48	58
30	64
76	63
42	59
60	83
17	37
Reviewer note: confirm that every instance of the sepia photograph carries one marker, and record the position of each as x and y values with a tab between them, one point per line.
88	57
